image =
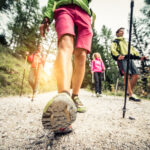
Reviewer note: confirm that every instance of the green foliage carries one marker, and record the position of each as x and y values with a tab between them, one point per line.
141	40
44	9
110	64
147	2
101	44
96	47
25	27
141	30
5	4
11	74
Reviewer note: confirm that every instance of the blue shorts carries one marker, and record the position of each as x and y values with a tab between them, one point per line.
122	65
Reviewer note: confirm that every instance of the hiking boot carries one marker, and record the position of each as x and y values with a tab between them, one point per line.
80	107
64	130
59	113
97	94
101	95
134	98
35	93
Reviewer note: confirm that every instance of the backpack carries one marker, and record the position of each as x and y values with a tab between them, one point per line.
118	48
30	58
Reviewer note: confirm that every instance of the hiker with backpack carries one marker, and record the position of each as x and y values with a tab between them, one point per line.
97	68
119	51
74	32
37	61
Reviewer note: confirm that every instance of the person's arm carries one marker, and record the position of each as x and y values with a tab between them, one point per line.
48	18
144	58
134	54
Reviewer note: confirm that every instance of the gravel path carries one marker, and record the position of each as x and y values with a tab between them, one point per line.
100	128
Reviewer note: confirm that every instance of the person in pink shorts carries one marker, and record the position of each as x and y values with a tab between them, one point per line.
74	32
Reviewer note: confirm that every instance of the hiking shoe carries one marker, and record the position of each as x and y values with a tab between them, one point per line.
101	95
97	94
64	130
59	113
80	107
134	98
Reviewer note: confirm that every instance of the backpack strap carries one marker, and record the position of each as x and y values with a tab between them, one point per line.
118	49
117	41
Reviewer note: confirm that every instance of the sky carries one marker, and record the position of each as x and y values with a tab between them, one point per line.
112	13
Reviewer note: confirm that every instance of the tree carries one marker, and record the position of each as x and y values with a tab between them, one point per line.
101	44
141	39
141	30
25	27
111	67
96	47
6	5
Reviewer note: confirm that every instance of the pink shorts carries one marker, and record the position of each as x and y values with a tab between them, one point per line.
69	17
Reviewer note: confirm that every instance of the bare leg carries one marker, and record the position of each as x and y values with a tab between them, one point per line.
134	80
63	63
79	69
129	85
61	106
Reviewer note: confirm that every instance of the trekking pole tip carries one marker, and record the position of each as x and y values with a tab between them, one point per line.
124	111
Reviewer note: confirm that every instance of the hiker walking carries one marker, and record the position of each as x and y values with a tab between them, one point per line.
97	68
74	32
119	50
37	61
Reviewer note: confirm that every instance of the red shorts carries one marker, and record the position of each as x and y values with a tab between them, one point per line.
69	17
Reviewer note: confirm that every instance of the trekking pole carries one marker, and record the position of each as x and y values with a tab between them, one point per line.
128	58
36	80
92	89
104	76
23	75
116	88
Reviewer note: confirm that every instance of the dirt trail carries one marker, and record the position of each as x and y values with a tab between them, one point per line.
100	128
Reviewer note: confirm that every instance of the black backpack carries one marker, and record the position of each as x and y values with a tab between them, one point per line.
118	49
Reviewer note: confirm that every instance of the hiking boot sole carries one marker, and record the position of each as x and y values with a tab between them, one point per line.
60	112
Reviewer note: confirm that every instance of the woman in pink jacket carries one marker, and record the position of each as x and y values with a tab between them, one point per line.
97	67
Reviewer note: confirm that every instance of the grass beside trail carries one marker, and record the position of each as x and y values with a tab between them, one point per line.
11	73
